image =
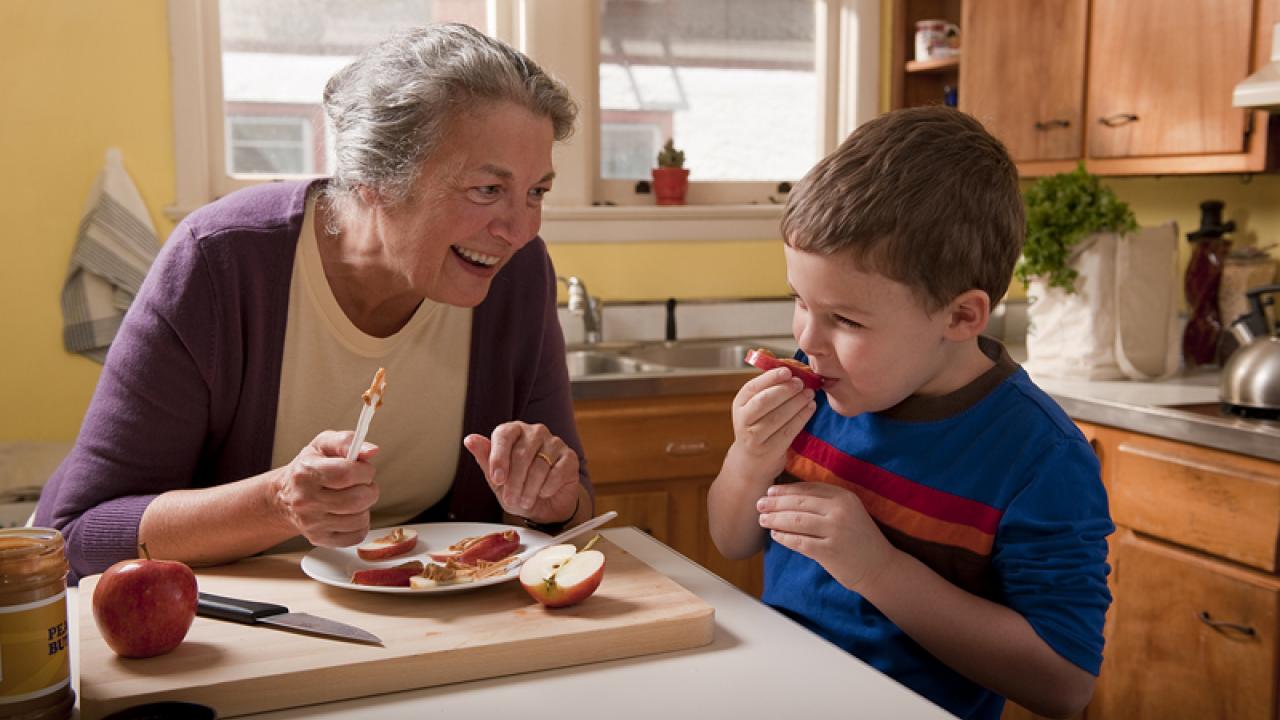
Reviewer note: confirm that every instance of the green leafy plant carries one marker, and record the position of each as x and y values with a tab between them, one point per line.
670	157
1062	210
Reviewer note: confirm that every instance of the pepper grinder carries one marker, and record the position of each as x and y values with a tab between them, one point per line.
1200	339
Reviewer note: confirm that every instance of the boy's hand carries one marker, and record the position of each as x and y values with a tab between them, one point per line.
768	412
829	525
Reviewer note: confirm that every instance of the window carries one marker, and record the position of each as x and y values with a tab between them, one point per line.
262	144
754	91
718	77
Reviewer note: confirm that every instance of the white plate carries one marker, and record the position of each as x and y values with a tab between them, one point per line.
334	566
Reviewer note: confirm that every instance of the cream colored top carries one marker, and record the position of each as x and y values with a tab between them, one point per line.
329	362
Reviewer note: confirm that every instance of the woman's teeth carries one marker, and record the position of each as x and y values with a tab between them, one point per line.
476	258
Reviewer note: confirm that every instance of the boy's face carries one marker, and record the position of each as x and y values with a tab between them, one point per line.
869	336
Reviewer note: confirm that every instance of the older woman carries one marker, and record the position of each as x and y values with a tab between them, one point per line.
213	433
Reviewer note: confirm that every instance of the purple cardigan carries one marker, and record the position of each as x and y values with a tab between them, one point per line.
188	394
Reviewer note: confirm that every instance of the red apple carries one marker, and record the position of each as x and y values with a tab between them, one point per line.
560	575
144	607
396	542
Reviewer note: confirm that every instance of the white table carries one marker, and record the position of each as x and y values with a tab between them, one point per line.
760	665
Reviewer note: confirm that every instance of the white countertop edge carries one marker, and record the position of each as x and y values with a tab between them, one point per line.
760	664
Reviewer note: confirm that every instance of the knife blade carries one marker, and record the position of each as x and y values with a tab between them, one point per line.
249	612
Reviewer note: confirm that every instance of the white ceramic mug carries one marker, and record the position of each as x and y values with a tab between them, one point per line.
937	39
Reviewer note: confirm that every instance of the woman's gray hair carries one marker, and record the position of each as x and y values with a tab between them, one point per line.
389	108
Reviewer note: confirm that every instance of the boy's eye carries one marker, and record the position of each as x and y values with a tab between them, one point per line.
798	301
847	322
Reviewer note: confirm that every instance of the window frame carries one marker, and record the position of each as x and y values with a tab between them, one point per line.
563	36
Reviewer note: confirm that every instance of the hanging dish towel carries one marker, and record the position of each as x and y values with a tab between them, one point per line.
114	249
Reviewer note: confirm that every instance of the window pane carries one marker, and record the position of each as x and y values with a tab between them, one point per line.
732	81
278	54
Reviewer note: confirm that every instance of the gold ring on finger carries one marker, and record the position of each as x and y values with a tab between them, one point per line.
546	457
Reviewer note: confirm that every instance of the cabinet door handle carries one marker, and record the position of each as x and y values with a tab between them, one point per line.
1223	625
1051	124
1118	119
685	448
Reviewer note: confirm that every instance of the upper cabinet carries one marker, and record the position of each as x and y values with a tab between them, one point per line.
1131	87
1023	74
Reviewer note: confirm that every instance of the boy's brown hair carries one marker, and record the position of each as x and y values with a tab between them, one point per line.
924	196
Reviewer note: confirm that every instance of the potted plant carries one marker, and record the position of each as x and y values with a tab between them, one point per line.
1080	245
670	178
1062	210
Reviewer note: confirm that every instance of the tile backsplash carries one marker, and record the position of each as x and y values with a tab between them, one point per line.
737	318
694	319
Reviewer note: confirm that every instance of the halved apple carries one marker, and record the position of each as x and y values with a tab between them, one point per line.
396	542
560	575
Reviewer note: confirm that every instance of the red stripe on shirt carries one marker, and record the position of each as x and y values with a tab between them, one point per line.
910	494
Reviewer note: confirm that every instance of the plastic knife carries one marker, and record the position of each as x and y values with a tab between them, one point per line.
248	612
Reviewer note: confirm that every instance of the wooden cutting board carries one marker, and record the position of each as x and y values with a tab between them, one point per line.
429	639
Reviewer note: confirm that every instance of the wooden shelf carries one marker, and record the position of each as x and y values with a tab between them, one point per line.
933	66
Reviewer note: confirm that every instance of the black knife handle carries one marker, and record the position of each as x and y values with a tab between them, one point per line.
235	609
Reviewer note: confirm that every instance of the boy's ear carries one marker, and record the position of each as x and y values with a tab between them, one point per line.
967	315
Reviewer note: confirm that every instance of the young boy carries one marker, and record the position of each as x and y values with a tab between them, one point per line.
930	510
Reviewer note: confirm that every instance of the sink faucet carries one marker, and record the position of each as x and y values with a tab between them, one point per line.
587	307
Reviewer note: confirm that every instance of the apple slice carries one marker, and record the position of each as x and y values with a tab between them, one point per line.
397	576
559	575
396	542
491	548
766	360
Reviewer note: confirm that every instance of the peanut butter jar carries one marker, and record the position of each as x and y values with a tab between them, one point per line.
35	661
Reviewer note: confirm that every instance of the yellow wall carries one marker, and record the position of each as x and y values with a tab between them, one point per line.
78	76
83	75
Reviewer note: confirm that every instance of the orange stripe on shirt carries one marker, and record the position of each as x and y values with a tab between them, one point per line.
893	514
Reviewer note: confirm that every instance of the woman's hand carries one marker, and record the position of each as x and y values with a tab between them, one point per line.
533	473
829	525
324	496
768	412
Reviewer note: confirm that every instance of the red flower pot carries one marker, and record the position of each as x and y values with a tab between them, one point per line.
670	185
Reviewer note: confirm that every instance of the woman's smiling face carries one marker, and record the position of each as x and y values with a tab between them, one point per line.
869	336
477	201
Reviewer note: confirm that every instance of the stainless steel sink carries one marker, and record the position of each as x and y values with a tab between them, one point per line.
696	354
586	363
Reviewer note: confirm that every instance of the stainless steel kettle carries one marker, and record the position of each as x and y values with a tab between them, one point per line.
1251	378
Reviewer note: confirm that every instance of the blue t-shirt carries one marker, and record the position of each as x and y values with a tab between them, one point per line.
994	488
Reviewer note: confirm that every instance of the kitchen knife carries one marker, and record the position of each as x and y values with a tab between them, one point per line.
248	612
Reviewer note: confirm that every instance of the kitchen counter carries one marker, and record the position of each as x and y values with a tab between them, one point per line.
1185	408
760	664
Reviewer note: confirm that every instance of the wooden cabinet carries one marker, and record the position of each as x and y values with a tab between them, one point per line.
653	459
1162	72
1154	96
1024	74
1192	631
1193	637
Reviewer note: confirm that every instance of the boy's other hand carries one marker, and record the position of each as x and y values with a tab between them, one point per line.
829	525
768	412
